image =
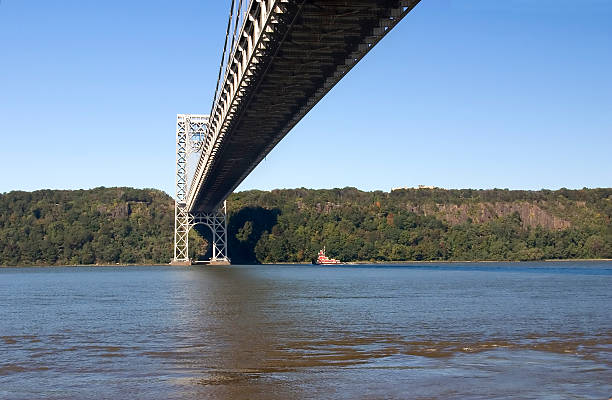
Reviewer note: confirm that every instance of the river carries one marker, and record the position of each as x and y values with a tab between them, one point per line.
425	331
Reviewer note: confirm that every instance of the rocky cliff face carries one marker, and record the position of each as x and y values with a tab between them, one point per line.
531	214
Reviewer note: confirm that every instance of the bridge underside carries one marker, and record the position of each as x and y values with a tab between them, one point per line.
310	46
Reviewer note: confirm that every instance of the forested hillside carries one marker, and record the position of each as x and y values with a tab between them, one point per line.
124	225
422	224
102	225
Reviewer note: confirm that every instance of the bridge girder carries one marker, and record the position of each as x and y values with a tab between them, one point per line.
290	54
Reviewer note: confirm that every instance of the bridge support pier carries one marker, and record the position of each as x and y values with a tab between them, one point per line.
190	130
216	222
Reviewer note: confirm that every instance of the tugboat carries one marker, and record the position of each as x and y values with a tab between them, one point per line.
324	260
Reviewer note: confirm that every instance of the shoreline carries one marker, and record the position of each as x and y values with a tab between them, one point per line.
406	262
449	262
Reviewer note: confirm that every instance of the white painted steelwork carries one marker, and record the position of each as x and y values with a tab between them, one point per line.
217	222
190	132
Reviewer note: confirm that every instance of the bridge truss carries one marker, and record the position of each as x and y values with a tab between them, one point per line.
190	131
287	56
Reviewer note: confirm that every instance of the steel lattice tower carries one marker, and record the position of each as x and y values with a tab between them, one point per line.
190	133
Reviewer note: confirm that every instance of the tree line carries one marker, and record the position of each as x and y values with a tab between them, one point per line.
126	225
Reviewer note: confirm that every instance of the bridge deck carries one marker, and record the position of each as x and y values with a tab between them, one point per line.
306	48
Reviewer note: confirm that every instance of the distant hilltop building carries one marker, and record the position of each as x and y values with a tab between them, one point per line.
416	187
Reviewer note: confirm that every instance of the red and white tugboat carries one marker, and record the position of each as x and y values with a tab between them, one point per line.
324	260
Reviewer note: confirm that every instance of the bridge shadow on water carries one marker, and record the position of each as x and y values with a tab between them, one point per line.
244	229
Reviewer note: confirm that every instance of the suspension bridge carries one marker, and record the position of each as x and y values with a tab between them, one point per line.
279	59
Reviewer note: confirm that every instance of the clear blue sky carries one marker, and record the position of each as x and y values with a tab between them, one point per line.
510	94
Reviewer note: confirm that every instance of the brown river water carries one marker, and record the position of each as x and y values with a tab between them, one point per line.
478	331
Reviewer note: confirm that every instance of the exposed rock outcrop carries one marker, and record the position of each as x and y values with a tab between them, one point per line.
531	214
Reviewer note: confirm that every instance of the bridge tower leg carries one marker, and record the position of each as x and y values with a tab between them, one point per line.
181	234
190	130
181	216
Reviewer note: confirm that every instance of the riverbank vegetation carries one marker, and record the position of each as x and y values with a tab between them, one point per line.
125	225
